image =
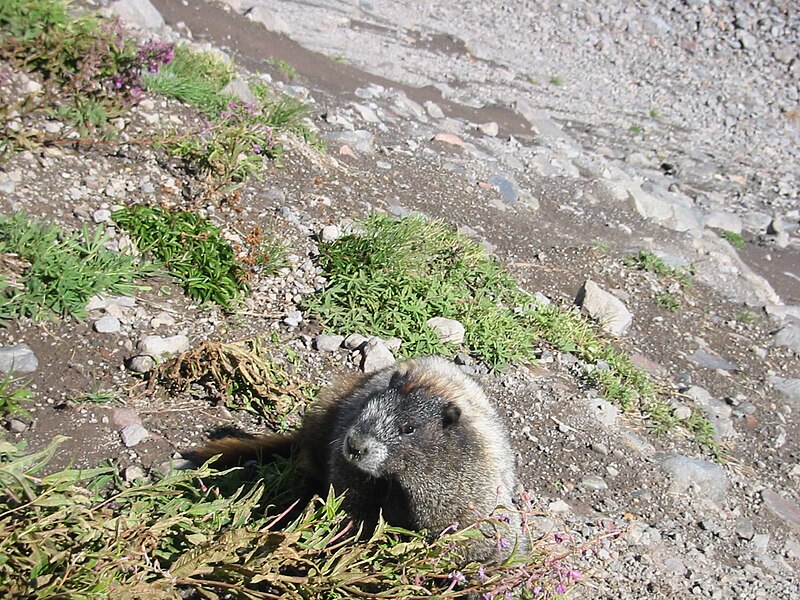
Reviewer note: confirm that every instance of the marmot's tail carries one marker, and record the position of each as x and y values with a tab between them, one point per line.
239	451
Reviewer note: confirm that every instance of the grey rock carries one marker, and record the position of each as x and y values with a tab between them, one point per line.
239	89
788	388
666	208
783	508
559	506
608	310
788	337
101	215
102	302
269	18
490	129
18	358
707	480
725	221
140	13
359	140
107	324
293	319
706	359
675	566
330	233
134	472
507	188
16	426
434	110
141	363
328	343
366	113
377	356
718	412
162	319
133	434
761	542
157	346
355	341
744	528
447	330
603	411
593	483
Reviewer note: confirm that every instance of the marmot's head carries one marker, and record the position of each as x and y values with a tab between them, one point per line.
411	427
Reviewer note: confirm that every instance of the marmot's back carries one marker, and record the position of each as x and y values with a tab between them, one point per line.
418	442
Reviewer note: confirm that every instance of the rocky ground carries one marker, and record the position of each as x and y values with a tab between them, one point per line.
564	140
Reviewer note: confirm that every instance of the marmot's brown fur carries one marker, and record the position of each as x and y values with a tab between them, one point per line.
418	441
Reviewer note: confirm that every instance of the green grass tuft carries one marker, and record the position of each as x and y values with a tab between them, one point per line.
191	247
196	78
12	395
734	239
47	272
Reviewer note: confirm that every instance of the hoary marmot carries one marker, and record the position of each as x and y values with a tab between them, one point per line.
418	442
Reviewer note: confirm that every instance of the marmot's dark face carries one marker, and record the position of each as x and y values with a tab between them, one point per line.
395	433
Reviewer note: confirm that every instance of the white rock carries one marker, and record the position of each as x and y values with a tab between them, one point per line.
141	364
134	472
133	434
140	13
608	310
707	481
157	346
330	233
355	341
491	129
18	358
328	343
377	356
107	324
447	330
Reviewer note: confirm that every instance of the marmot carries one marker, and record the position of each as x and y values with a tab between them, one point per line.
418	442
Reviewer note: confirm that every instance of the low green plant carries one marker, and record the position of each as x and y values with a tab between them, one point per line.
86	534
746	316
647	261
636	129
196	78
667	301
556	80
97	397
49	272
191	248
288	71
12	395
734	239
230	151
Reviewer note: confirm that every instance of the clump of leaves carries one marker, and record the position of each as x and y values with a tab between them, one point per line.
230	151
243	375
46	272
84	533
392	276
734	239
12	395
192	249
90	67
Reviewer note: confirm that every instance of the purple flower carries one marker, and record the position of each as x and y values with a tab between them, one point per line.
560	589
574	574
503	543
457	576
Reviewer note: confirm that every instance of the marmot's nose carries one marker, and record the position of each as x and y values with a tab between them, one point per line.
354	446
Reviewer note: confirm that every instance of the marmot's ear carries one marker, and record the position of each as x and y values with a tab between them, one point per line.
397	380
450	415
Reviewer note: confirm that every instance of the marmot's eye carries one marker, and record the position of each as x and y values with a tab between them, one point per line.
407	429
